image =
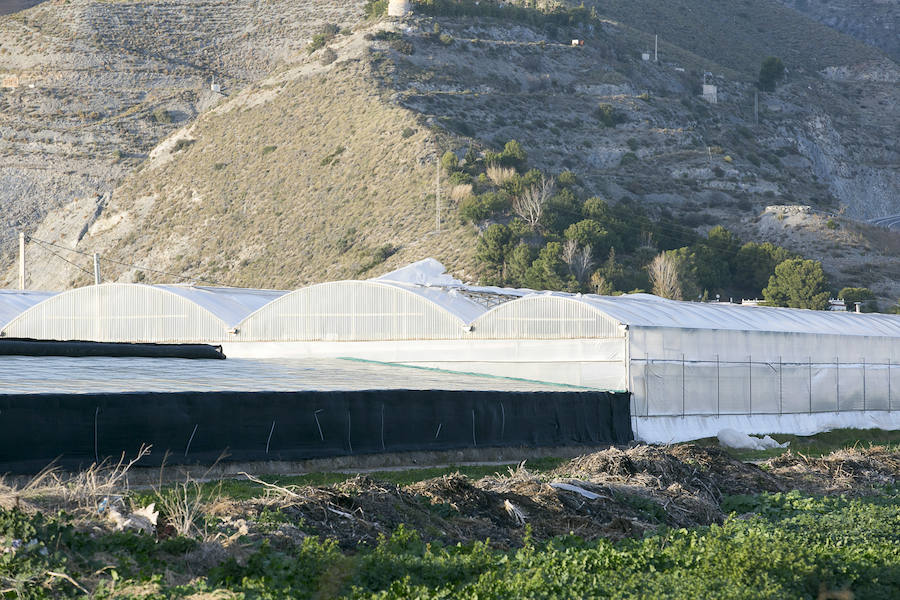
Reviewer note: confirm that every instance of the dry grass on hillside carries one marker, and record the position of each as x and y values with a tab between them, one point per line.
313	180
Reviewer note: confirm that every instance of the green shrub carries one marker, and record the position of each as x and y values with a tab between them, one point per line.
268	149
325	35
609	115
375	9
407	132
182	144
629	158
161	115
403	46
770	73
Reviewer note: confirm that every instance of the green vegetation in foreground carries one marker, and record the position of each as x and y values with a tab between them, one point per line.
791	546
819	444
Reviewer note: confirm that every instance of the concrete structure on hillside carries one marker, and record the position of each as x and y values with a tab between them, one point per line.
399	8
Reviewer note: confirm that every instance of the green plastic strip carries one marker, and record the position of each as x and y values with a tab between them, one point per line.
484	375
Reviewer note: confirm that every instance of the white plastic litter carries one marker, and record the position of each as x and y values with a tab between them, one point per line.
578	490
143	519
515	512
735	439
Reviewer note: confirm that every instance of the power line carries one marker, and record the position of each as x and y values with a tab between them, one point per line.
60	257
120	263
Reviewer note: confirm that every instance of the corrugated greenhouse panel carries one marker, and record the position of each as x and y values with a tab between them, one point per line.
351	311
545	317
118	313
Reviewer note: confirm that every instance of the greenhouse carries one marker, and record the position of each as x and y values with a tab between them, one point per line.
124	312
692	368
15	302
717	361
362	311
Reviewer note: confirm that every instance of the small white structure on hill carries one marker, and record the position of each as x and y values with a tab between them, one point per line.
398	8
710	93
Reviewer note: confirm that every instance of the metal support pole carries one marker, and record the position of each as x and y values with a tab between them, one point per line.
780	386
718	390
21	260
837	369
864	382
96	269
810	385
889	385
683	385
750	383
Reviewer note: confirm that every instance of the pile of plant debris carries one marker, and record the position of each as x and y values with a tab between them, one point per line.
615	493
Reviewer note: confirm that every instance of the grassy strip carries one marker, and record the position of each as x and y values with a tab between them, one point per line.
791	546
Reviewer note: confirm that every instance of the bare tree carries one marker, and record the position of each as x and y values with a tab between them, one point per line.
529	205
580	261
664	276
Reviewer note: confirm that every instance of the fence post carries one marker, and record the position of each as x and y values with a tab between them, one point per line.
889	385
682	386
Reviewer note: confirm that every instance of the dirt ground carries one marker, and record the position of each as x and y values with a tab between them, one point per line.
613	493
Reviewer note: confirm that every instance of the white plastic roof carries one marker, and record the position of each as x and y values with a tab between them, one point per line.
646	310
15	302
231	305
449	299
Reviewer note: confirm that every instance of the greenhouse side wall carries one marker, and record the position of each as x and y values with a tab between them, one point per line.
715	372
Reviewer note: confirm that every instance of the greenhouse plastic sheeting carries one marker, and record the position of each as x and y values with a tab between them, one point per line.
78	429
670	430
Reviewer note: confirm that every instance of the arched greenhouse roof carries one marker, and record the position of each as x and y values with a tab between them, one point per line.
232	305
646	310
126	312
15	302
361	311
554	314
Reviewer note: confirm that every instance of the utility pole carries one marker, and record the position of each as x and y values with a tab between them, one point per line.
656	48
756	108
21	260
437	206
96	269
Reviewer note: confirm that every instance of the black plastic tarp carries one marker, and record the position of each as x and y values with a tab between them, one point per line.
79	348
77	429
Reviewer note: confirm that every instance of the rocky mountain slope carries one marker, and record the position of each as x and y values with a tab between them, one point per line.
326	167
87	88
873	22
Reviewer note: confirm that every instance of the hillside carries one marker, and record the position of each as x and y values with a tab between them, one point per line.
87	87
326	167
310	174
873	22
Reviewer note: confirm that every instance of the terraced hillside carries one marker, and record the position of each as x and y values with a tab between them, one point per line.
89	87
